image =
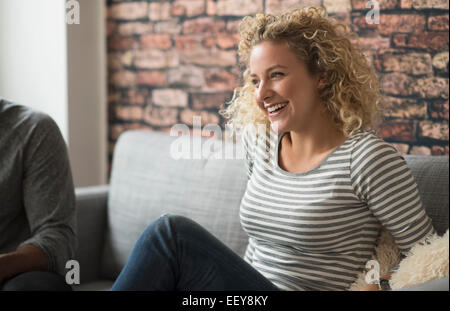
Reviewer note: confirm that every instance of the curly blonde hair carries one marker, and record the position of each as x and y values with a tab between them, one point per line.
351	93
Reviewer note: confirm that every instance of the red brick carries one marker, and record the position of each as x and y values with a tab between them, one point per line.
397	130
404	108
186	43
221	80
171	26
406	4
209	57
128	113
203	25
114	97
430	4
402	148
114	62
276	6
115	130
239	7
433	87
110	28
439	110
169	98
123	78
420	150
135	28
186	76
136	96
440	61
187	117
160	116
128	10
210	100
156	59
233	26
438	22
427	40
439	150
152	78
394	23
188	8
211	7
412	63
384	4
156	41
227	40
159	11
209	41
396	84
337	6
118	43
435	130
373	43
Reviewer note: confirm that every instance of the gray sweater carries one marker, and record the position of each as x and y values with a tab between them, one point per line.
37	200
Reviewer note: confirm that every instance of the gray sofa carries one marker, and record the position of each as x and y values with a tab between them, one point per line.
146	182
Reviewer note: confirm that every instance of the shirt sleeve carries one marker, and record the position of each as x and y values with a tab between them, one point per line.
381	178
48	194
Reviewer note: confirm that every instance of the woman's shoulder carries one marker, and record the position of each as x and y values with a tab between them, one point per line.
369	148
370	139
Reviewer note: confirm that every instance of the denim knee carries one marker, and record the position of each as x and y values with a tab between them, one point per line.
163	225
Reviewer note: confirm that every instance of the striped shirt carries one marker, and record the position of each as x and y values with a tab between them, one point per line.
316	230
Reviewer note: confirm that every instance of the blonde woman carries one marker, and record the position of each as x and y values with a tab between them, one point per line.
321	183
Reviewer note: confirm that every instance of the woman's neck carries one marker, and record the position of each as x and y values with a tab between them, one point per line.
321	138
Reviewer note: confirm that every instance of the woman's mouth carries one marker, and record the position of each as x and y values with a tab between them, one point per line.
277	109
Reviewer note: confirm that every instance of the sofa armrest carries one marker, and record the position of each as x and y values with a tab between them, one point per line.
434	285
91	205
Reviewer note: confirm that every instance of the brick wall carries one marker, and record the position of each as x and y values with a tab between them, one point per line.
171	60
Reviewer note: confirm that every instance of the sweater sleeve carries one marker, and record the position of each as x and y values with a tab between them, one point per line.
381	178
48	194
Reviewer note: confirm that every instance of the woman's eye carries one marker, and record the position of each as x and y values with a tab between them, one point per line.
255	82
276	74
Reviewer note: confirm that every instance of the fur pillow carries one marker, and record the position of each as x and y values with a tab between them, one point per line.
424	262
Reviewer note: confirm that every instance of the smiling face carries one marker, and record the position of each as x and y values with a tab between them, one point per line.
284	90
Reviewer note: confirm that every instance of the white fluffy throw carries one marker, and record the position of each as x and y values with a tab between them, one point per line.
424	262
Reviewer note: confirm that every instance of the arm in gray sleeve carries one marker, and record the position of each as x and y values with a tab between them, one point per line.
48	194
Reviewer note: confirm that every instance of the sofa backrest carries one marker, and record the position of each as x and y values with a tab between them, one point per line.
146	182
431	175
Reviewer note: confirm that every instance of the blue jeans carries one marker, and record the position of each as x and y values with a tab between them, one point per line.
176	253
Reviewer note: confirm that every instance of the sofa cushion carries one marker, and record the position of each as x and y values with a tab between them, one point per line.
431	175
147	182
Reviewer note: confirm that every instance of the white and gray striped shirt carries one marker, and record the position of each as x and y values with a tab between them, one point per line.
316	230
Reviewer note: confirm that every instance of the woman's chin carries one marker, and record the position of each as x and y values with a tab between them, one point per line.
278	126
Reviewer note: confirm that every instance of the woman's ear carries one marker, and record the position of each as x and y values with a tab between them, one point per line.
322	81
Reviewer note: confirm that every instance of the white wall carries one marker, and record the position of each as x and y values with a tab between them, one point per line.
86	44
60	69
33	68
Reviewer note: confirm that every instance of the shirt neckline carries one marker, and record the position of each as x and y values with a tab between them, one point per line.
323	162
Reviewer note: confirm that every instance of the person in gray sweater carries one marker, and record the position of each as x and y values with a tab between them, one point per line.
37	201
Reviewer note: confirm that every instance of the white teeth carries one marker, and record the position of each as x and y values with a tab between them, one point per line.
273	108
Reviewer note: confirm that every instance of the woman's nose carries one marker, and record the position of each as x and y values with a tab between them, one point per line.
263	92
